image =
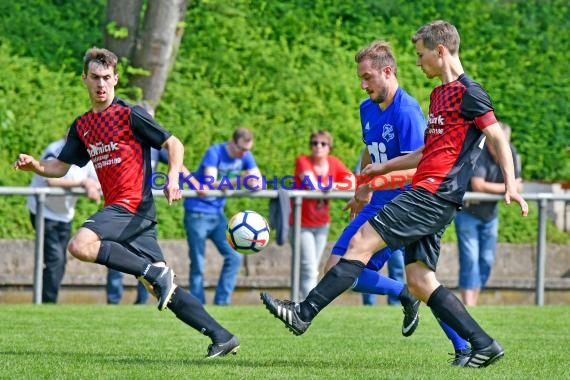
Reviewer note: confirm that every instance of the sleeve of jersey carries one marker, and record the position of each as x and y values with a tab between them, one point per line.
146	129
74	151
476	105
302	165
211	158
411	128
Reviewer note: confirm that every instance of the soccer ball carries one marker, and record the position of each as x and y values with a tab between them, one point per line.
248	232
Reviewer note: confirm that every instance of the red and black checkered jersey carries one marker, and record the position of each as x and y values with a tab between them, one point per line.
118	141
458	113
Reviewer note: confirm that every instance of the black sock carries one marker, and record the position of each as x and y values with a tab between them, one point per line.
115	256
447	307
189	310
338	279
406	297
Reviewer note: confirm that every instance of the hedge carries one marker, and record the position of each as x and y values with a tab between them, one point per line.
285	69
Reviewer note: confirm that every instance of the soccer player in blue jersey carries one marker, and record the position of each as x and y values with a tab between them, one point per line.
392	125
460	117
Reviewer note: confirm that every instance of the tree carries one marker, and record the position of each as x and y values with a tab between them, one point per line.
123	19
152	46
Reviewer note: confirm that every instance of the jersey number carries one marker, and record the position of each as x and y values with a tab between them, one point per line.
377	152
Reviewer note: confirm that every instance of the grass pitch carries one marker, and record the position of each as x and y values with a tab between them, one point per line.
344	342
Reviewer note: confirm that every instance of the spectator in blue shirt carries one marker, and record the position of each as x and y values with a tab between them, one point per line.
224	166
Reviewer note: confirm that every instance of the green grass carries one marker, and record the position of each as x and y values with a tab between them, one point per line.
345	342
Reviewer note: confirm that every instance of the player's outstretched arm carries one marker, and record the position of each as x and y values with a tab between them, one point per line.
46	168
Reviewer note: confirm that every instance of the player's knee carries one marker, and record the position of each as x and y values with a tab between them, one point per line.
78	249
83	249
84	245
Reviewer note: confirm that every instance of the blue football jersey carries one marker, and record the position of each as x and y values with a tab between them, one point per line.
389	133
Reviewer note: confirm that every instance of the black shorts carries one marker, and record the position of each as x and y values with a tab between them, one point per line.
415	219
137	234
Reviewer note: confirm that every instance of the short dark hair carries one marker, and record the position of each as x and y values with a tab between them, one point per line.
242	133
104	57
380	53
436	33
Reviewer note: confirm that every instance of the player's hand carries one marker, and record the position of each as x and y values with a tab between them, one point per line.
363	194
372	170
172	191
172	194
25	162
519	199
354	206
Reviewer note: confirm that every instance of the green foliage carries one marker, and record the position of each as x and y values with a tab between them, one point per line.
96	341
115	32
285	69
55	33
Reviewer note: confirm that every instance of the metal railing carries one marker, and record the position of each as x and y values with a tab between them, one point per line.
542	200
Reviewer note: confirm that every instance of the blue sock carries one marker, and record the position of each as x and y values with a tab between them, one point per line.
458	342
373	282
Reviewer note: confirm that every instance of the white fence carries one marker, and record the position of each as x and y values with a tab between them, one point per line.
542	200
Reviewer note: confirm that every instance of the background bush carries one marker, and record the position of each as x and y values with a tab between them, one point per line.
284	69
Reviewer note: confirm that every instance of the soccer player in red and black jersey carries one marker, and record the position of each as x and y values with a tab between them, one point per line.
460	117
118	137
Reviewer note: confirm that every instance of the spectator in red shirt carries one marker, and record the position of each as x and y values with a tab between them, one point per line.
318	171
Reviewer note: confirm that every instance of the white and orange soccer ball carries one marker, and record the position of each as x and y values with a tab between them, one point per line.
248	232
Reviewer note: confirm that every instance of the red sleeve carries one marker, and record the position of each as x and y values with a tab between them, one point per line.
485	120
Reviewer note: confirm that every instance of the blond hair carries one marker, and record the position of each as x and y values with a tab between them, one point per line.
380	53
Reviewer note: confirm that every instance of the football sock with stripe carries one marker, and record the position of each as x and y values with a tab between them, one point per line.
458	342
447	307
373	282
338	279
189	310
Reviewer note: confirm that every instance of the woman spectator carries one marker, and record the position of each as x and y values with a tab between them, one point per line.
318	171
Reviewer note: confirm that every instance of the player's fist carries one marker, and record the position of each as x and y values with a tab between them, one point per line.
25	162
172	191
